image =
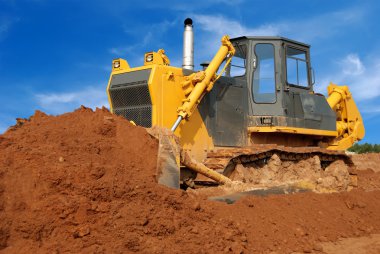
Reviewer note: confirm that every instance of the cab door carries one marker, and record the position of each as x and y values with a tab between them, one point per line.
264	84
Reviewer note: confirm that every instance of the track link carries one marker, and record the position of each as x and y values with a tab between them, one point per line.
225	160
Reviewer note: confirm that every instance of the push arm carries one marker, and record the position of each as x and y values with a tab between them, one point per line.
202	82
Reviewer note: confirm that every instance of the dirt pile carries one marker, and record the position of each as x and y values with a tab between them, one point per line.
367	161
369	170
84	182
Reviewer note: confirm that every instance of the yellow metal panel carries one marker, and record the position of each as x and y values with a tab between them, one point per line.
167	94
293	130
108	93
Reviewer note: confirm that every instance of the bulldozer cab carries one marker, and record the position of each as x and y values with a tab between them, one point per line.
271	66
268	85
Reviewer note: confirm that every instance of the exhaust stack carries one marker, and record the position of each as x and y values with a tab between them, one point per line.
188	45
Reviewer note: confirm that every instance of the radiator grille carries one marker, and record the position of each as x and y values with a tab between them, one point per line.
135	95
131	99
140	115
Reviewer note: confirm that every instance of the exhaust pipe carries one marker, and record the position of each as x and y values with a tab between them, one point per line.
188	45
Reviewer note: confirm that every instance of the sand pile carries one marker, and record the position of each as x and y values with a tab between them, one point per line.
367	161
84	182
369	165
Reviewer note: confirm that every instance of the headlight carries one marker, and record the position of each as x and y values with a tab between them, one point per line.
149	58
116	64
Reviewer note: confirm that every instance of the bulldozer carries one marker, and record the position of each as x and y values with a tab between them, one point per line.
254	99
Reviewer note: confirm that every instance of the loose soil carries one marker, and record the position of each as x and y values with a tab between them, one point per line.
84	182
308	173
276	175
360	245
367	161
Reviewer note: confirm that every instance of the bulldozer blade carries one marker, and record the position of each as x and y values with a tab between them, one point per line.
168	158
276	190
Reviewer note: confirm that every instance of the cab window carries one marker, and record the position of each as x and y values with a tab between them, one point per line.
264	79
296	67
237	67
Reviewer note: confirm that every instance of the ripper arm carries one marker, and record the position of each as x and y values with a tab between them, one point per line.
349	122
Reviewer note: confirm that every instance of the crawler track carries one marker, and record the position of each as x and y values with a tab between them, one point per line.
225	159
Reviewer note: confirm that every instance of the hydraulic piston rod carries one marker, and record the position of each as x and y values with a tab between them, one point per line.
206	83
177	122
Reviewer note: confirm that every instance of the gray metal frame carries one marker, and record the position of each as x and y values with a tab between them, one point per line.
229	109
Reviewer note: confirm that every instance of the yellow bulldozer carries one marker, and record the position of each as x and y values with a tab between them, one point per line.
260	103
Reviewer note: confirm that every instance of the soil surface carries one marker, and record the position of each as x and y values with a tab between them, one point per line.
367	161
360	245
84	182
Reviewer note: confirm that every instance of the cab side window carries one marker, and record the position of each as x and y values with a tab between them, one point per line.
237	67
296	67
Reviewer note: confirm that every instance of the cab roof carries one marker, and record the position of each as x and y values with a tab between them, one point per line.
269	38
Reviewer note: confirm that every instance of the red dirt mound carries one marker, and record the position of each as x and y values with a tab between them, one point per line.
84	182
367	161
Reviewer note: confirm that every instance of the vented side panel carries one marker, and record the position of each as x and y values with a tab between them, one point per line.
140	115
136	95
130	97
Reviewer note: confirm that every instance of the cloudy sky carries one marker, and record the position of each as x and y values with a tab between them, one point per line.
56	55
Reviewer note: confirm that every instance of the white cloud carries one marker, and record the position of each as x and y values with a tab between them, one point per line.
221	25
371	108
210	28
312	30
152	36
363	79
122	50
57	103
306	29
366	85
323	26
352	65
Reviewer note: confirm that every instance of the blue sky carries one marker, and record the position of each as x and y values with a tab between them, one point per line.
56	55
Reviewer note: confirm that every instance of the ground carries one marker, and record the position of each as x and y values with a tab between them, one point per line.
84	182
